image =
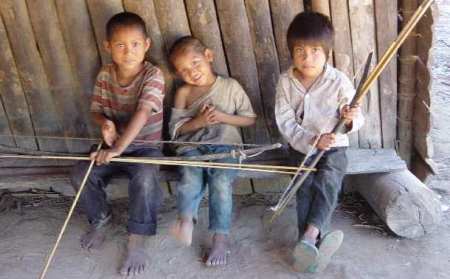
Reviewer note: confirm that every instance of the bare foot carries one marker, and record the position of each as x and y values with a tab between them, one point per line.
136	258
94	237
219	251
182	230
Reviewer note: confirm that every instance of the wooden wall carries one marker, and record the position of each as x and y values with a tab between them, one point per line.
50	52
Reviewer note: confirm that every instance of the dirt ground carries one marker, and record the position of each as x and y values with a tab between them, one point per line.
29	229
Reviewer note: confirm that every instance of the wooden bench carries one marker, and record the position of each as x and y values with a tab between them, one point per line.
402	201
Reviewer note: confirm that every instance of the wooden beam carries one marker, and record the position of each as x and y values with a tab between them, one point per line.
267	63
363	38
386	12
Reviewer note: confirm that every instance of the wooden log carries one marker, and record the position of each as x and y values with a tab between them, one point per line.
15	115
283	12
172	20
363	37
386	24
65	89
403	202
205	26
343	52
407	84
266	59
101	11
79	39
46	121
241	61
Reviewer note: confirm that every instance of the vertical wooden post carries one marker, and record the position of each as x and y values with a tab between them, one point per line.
65	90
343	52
321	6
258	12
43	113
205	26
407	84
13	99
241	59
363	37
79	39
386	12
283	12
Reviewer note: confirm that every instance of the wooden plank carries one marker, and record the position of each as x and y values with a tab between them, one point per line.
386	24
101	11
373	161
241	60
283	12
406	85
65	89
46	121
172	20
81	47
14	115
205	26
343	52
266	59
362	23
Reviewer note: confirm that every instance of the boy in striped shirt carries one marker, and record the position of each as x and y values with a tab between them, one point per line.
127	105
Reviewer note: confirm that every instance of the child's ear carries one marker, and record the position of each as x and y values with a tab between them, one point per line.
107	46
209	54
148	43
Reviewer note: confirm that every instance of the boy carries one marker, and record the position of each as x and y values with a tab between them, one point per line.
207	109
311	97
127	106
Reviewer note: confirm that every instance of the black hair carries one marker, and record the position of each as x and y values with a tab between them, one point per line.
124	19
311	27
184	44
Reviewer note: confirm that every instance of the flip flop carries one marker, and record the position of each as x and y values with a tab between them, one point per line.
328	245
305	256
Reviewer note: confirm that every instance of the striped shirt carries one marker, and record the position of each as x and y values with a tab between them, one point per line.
303	114
119	103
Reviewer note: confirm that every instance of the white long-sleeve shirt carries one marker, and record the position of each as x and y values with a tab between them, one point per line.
303	114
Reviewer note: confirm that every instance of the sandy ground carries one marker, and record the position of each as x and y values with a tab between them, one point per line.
258	250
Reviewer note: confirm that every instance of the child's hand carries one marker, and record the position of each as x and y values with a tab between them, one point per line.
205	116
326	141
215	116
109	132
104	156
349	113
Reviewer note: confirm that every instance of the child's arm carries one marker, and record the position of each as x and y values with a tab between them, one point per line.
196	123
216	116
107	127
131	131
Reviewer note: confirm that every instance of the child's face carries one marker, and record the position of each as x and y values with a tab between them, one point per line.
194	67
309	59
128	46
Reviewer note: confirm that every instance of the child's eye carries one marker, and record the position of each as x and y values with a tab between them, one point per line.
135	44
